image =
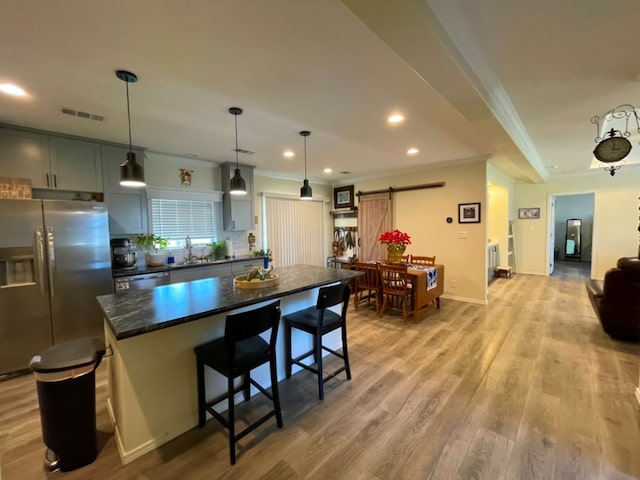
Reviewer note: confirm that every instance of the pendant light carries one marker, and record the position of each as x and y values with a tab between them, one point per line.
238	186
131	172
305	190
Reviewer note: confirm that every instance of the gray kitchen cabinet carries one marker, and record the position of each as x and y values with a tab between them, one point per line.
50	162
199	272
127	205
75	165
237	211
243	266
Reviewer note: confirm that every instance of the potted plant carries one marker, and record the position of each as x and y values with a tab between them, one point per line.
151	244
266	254
218	249
396	242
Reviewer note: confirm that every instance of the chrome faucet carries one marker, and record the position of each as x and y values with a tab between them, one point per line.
188	245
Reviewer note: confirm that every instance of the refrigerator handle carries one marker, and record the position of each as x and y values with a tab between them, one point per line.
40	259
51	259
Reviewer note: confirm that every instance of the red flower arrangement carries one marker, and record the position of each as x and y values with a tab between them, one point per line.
395	238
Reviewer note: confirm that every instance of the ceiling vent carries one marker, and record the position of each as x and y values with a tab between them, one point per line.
242	150
87	115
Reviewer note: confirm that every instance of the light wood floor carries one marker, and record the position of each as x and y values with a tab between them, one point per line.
527	387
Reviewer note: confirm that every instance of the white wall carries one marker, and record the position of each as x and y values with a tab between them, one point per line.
615	219
422	214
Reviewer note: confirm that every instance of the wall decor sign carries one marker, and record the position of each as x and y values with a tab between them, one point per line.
469	212
528	213
15	188
343	197
185	177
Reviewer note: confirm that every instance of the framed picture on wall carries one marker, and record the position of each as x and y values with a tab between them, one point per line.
343	197
528	213
469	212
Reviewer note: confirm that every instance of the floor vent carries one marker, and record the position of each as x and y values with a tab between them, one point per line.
87	115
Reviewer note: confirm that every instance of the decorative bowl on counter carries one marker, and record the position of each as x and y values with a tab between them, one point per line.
257	277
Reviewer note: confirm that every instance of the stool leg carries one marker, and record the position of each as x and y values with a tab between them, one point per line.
287	349
201	393
345	351
274	389
246	392
317	341
232	422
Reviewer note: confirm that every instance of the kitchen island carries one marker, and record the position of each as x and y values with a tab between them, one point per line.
152	377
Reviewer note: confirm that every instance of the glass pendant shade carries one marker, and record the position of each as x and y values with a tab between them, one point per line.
238	186
131	172
305	190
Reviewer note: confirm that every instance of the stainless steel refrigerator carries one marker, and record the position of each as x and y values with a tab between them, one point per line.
54	261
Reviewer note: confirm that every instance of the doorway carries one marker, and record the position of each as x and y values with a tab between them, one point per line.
571	230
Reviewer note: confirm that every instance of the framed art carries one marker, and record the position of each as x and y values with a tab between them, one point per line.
343	197
528	213
469	212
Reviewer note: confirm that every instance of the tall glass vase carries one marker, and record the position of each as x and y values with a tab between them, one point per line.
395	252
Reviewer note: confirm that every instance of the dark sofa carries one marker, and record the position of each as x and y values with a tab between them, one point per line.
617	299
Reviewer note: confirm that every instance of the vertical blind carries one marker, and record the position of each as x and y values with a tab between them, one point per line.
175	219
295	231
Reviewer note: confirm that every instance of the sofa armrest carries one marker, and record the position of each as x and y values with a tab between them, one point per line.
594	288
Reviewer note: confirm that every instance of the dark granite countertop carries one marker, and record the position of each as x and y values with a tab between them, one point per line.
126	272
136	312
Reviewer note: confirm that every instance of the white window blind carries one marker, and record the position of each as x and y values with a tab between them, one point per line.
295	231
175	219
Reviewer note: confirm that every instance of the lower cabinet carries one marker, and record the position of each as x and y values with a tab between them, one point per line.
240	267
198	273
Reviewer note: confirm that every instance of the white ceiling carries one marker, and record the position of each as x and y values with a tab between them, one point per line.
516	82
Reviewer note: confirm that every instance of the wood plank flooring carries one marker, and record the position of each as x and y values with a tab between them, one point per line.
528	387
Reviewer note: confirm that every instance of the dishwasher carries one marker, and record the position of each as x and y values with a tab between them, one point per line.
143	281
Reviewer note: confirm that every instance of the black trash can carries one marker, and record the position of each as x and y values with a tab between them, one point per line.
65	379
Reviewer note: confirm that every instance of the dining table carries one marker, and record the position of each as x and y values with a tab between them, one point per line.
421	296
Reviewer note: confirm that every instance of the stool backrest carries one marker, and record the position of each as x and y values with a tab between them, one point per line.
241	326
334	295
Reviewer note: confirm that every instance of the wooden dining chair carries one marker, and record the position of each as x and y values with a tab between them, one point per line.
405	259
367	285
395	287
428	261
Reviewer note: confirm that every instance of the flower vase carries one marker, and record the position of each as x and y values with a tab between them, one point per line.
395	252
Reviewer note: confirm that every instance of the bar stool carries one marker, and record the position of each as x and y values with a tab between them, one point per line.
237	353
318	321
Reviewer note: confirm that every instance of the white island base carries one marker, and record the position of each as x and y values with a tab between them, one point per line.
152	377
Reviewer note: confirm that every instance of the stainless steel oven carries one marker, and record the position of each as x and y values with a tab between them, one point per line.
141	282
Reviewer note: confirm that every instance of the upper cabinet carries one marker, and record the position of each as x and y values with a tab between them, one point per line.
127	205
237	211
50	162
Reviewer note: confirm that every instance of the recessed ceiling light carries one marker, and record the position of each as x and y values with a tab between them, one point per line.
289	154
11	89
327	170
412	151
395	118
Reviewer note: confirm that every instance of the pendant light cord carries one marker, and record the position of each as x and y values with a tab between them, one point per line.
128	115
305	158
235	121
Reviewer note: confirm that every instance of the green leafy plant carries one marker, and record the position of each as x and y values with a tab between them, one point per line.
218	249
151	242
263	253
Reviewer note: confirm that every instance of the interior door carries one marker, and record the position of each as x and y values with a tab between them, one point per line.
25	321
374	218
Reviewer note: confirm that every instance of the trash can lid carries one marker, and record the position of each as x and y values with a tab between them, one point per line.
67	355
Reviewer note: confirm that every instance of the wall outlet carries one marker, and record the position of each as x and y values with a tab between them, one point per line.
454	283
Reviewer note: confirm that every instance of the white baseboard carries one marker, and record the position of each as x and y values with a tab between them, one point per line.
638	394
464	299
